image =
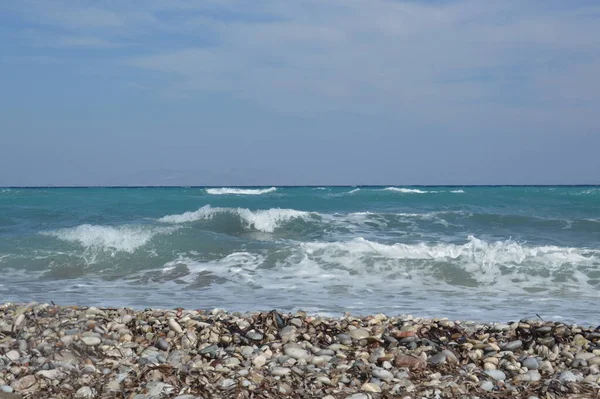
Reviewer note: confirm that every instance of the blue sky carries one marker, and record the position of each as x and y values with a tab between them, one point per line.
299	92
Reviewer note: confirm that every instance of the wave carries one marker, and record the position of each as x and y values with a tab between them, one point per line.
121	238
240	191
458	191
267	220
406	190
361	265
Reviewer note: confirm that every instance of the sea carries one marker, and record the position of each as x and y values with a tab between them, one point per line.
494	253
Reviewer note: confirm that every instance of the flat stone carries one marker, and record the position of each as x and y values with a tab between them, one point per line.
91	341
255	335
159	389
51	374
487	385
280	371
513	345
567	376
439	358
296	351
534	375
359	333
382	374
531	363
594	361
259	361
13	355
496	374
450	356
85	393
6	389
227	383
23	383
162	344
173	325
358	396
370	387
411	362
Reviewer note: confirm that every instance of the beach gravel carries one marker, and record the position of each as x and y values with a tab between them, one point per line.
58	352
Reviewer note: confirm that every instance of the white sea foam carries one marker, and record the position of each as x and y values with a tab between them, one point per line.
240	191
112	238
458	191
406	190
353	191
266	220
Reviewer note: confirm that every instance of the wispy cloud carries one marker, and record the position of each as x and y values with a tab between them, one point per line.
374	56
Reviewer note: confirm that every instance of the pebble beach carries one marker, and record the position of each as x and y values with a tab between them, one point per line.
49	351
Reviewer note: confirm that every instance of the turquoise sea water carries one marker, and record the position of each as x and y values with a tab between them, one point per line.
482	253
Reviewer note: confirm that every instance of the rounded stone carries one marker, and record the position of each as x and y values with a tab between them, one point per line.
496	375
487	385
513	345
359	333
91	341
370	387
382	374
259	361
280	371
531	363
567	376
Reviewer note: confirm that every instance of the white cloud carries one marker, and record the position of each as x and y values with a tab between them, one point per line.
370	56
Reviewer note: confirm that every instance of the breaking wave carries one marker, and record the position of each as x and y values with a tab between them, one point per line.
406	190
262	220
240	191
121	238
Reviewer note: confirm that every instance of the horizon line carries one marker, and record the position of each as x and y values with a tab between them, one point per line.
301	186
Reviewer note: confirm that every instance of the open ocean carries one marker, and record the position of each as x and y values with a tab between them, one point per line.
477	253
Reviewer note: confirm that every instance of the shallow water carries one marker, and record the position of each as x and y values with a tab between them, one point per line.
482	253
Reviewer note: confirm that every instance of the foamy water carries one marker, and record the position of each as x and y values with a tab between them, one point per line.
486	254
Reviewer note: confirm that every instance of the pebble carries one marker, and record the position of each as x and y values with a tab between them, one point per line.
155	354
382	374
359	333
512	346
280	371
91	341
567	376
486	385
531	363
496	375
370	387
162	345
85	393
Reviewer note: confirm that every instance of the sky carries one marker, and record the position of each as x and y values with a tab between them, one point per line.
279	92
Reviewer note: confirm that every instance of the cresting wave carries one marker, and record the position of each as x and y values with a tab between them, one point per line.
262	220
240	191
120	238
417	191
362	264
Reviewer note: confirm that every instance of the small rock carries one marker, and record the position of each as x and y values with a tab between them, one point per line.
91	341
173	325
6	388
255	335
259	361
162	344
382	374
412	362
359	333
296	351
496	374
85	393
51	374
567	376
487	385
513	345
13	355
358	396
531	363
534	375
439	358
370	387
23	383
227	383
280	371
